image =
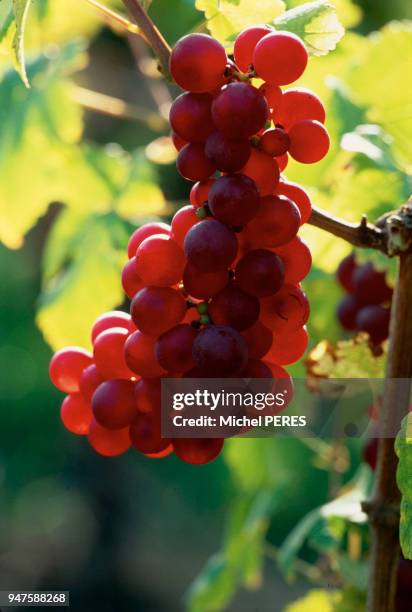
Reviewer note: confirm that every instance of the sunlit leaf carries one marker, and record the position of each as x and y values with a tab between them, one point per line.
404	479
316	23
226	18
315	601
21	12
6	16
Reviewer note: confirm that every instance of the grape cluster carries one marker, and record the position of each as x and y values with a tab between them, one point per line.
366	307
216	293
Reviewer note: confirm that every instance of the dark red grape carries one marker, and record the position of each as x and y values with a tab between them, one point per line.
345	272
145	433
66	367
276	223
234	307
227	154
157	309
173	349
280	58
220	351
245	44
239	110
191	116
113	403
89	381
131	281
370	452
193	164
203	285
210	246
76	414
347	312
374	320
309	142
370	285
234	199
197	451
148	395
260	272
178	142
198	63
160	261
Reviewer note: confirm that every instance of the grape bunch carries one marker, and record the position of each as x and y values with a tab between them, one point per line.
217	292
366	307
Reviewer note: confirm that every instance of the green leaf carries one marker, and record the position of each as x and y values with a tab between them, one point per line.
316	601
83	261
6	17
316	23
226	18
403	449
21	11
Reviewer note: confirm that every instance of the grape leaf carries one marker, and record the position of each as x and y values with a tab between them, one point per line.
403	447
6	16
83	262
21	11
316	23
317	600
226	18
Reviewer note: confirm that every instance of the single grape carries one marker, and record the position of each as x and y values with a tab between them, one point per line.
234	199
276	223
193	164
198	451
203	285
263	170
235	308
259	340
347	312
275	142
131	281
113	403
199	194
160	261
297	260
226	154
260	273
298	196
345	272
288	348
178	142
140	355
273	95
374	320
145	434
298	104
76	414
161	454
245	44
280	58
109	442
183	220
144	231
285	311
113	318
309	142
148	395
256	369
370	452
239	110
282	162
190	116
89	381
108	353
157	309
210	246
173	349
198	63
220	351
370	286
66	367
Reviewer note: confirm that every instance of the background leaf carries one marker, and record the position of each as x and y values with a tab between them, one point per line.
403	448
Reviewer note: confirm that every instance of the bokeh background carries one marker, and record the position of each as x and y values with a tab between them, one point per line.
131	533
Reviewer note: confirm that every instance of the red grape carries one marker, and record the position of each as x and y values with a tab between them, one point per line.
273	95
297	260
108	353
198	63
210	246
89	381
275	142
220	351
285	311
76	414
148	395
197	451
178	142
370	285
309	142
227	154
114	404
191	117
256	369
234	307
276	222
347	312
143	232
234	199
375	321
288	348
280	58
193	164
183	220
259	340
140	355
66	367
262	169
370	452
173	349
109	442
345	272
131	281
282	161
203	285
298	195
156	309
163	453
297	105
145	433
199	193
260	273
113	318
245	44
239	110
160	261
